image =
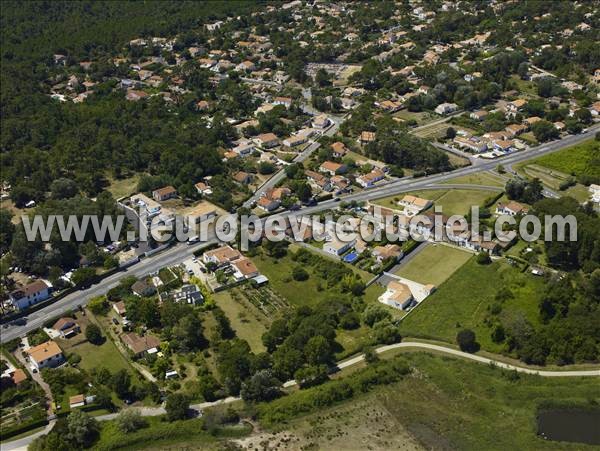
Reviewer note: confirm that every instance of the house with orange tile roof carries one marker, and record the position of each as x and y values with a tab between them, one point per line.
45	355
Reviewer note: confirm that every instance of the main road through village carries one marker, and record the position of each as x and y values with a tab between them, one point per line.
181	251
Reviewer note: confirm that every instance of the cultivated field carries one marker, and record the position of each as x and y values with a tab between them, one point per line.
583	159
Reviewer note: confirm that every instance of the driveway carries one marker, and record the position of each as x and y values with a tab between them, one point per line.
37	377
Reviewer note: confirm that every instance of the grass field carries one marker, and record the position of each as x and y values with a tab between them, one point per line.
434	264
421	117
432	131
463	302
163	435
480	178
123	187
106	355
248	322
553	179
457	161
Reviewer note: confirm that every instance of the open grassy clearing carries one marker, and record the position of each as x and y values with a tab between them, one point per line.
479	178
433	131
9	205
464	299
106	355
248	322
527	88
123	187
460	201
421	117
434	264
457	161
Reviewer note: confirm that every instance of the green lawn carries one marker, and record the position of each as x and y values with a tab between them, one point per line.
106	355
460	201
463	302
434	264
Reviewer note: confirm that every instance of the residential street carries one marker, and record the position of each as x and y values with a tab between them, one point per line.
179	252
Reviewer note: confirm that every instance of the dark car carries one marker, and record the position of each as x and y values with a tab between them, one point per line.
115	321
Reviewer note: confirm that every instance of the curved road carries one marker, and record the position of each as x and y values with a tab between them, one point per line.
155	411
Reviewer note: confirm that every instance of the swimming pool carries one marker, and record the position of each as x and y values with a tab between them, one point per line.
350	258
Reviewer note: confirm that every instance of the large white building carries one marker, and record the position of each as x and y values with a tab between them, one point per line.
336	247
30	294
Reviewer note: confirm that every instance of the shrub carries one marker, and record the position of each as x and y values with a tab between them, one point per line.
299	274
466	341
93	334
177	406
483	258
130	420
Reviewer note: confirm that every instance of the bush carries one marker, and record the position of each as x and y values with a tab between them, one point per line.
350	321
93	334
375	313
130	420
466	341
483	258
299	274
98	305
177	406
315	398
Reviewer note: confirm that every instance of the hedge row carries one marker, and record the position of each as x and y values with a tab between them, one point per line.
332	392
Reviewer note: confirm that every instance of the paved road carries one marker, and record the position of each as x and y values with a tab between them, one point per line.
405	185
180	252
171	256
280	175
